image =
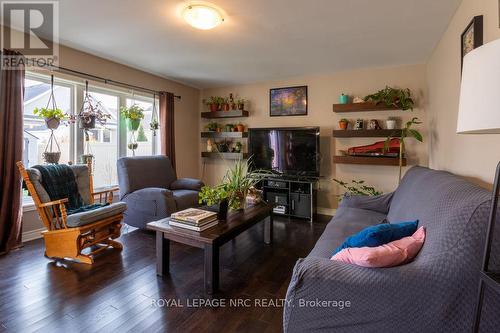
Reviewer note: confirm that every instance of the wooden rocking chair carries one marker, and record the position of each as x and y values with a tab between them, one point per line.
68	235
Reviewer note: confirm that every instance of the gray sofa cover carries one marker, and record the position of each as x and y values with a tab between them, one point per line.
149	186
434	293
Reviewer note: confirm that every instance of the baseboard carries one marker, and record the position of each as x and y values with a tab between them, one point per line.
32	235
326	211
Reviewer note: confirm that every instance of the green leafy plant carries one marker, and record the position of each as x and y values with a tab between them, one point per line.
356	187
50	113
235	185
135	112
399	98
406	132
212	126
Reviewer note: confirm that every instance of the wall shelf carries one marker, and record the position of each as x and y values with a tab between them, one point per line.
225	114
227	156
361	107
383	133
368	160
229	135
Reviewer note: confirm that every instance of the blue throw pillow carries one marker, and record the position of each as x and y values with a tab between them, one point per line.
379	235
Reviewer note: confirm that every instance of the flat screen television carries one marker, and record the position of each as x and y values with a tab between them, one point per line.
287	151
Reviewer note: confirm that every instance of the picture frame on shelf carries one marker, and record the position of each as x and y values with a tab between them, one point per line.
288	101
472	37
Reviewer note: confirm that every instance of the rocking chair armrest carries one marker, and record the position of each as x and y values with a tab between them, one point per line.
108	194
53	203
114	189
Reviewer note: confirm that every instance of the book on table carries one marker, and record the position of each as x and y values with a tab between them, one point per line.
194	215
180	224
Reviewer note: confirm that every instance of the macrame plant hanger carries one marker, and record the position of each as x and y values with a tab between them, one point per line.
50	155
155	124
87	149
132	144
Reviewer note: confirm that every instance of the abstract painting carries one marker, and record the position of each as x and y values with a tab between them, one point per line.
290	101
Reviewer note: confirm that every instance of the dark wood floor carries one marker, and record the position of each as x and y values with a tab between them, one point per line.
119	292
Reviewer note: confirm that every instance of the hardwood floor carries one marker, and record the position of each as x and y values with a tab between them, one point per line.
121	291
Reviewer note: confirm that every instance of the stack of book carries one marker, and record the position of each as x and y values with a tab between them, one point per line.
193	219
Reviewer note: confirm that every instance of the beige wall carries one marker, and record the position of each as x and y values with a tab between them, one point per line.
323	91
473	156
186	137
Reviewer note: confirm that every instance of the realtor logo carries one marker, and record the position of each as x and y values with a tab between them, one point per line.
30	28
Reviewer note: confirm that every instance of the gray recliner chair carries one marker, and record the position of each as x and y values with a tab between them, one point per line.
149	186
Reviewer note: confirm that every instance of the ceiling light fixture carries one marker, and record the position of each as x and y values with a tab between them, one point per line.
204	16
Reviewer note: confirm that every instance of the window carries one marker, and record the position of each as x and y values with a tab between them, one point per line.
147	144
107	143
103	146
36	133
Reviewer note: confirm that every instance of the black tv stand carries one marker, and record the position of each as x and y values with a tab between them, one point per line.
292	196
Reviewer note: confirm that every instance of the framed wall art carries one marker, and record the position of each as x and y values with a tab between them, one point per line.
289	101
472	37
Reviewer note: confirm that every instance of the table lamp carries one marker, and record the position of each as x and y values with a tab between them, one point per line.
479	113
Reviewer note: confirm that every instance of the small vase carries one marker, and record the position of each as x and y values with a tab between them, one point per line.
241	106
226	107
213	107
223	208
133	124
390	124
343	99
52	123
240	128
343	125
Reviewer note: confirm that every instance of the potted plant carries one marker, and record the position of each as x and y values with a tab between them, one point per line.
133	146
133	116
234	106
406	132
154	126
241	104
226	106
356	187
237	147
92	112
51	157
343	123
228	128
53	117
240	127
216	198
392	97
212	103
212	126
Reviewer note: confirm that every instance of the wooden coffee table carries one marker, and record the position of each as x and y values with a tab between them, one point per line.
210	240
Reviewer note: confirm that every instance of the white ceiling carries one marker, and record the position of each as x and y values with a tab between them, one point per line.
260	39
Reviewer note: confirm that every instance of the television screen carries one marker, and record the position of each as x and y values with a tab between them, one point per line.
287	151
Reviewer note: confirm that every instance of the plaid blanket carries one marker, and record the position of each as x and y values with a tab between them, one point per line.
59	182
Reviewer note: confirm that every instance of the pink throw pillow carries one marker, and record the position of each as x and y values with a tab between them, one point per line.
388	255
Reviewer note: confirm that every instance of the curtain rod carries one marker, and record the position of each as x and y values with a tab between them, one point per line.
106	81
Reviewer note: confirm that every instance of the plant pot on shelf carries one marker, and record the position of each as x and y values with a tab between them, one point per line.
240	127
234	106
213	107
343	124
133	124
241	106
87	122
52	123
51	157
226	107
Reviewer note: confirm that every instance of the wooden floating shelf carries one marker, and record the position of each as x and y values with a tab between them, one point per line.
361	107
368	160
234	135
225	114
383	133
227	156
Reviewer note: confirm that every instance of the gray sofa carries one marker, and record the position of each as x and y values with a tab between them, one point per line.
149	186
434	293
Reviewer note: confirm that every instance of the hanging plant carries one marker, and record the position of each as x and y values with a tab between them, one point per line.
52	115
92	111
133	115
154	125
141	136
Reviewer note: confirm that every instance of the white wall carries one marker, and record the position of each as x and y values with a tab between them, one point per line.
323	92
473	156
